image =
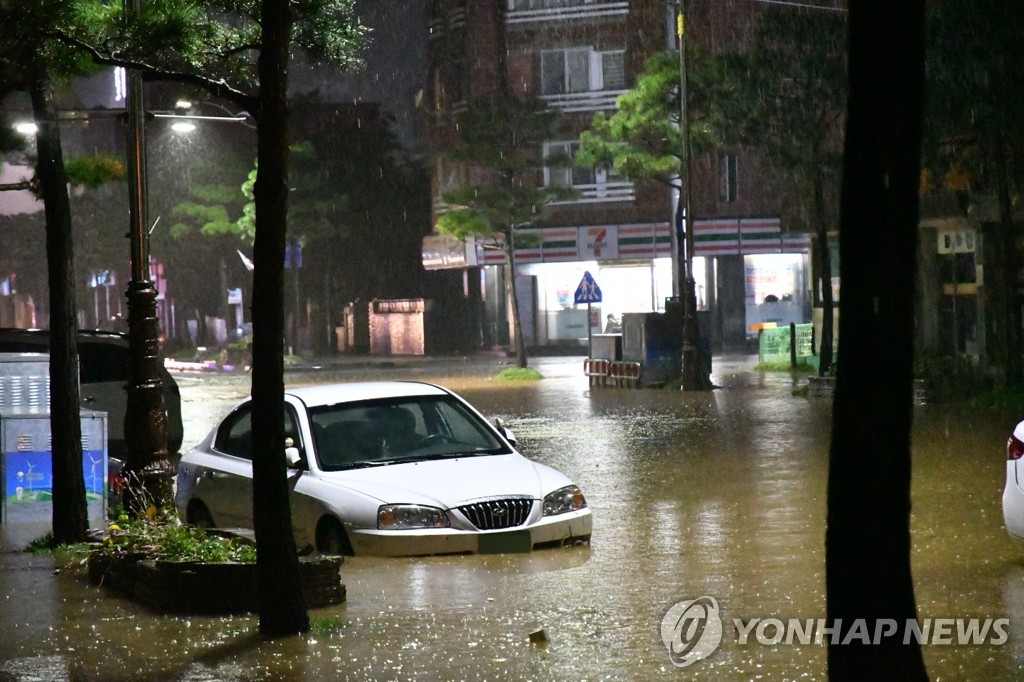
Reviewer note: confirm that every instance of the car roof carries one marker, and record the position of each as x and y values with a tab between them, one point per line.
330	394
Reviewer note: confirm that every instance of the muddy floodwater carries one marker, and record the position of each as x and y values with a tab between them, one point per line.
719	494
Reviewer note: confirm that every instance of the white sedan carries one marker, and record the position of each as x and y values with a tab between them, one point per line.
388	468
1013	492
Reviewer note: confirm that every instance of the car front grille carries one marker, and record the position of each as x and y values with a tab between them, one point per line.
507	512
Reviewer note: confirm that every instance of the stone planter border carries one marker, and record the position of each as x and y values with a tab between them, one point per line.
187	588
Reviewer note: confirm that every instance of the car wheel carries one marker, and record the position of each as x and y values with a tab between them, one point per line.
199	516
331	538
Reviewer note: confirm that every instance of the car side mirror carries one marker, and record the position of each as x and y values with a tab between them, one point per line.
292	458
507	433
509	436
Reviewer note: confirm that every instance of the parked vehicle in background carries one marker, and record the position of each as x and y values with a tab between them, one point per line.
104	366
388	468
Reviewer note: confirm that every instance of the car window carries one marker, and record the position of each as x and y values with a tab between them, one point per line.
235	434
456	423
393	430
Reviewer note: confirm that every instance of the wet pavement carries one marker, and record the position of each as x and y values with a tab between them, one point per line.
717	494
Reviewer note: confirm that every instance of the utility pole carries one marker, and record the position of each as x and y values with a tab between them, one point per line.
692	379
147	470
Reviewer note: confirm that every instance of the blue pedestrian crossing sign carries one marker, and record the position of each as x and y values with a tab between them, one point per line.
588	291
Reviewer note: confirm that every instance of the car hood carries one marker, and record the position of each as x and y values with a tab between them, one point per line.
451	482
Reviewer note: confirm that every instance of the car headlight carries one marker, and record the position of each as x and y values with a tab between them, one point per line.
410	516
564	500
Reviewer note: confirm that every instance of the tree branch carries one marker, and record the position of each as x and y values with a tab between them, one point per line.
219	88
29	185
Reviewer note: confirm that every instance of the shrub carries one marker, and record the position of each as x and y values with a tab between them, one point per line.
161	535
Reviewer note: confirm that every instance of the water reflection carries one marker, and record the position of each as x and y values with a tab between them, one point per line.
719	494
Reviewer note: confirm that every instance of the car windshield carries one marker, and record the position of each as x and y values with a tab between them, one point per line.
379	432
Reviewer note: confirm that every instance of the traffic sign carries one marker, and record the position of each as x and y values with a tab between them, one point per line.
588	291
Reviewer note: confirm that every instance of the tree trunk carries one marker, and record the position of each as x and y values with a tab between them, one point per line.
513	297
1005	315
867	557
70	511
282	605
825	265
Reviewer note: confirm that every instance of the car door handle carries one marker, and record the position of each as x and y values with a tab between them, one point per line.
88	399
210	474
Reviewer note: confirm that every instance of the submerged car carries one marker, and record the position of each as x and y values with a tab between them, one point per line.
1013	492
388	468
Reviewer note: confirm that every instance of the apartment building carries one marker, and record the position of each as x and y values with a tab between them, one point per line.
579	56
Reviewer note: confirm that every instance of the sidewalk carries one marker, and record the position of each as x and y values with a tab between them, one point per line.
359	361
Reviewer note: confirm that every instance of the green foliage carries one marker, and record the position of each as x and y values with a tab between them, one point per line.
42	545
211	219
160	535
214	44
95	170
465	222
519	374
328	624
30	33
782	366
642	139
501	136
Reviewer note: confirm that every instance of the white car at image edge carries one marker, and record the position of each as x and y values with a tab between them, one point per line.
388	468
1013	492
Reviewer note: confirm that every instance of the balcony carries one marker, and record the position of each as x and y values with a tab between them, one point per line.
542	11
589	100
602	192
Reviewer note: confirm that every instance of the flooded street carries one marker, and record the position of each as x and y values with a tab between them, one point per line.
718	494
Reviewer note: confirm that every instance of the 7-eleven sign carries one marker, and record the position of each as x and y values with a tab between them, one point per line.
599	242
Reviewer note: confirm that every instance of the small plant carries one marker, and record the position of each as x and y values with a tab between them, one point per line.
42	545
161	535
519	374
328	624
782	366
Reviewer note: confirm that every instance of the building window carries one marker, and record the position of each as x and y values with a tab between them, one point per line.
563	71
728	186
613	70
564	174
592	184
581	69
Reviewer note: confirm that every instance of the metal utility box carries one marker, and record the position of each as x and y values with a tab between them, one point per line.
653	340
26	473
25	380
606	346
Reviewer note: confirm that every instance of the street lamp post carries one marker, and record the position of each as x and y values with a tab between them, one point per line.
146	468
690	360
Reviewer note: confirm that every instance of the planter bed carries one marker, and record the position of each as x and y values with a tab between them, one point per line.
208	588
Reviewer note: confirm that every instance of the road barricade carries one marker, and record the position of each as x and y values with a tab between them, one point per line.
598	370
626	374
